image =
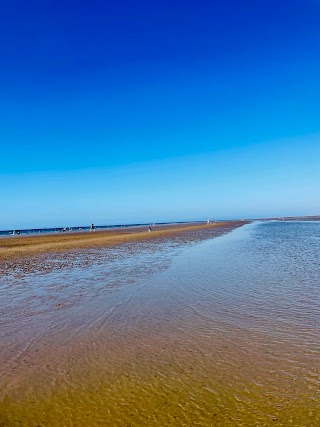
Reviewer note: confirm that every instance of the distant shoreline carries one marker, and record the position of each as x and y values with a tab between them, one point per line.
28	245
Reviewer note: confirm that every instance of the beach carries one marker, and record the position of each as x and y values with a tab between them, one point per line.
183	326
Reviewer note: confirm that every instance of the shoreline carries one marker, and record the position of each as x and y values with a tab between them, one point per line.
24	246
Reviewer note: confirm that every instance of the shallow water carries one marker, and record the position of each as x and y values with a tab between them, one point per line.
225	331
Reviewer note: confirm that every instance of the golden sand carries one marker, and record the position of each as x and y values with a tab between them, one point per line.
18	246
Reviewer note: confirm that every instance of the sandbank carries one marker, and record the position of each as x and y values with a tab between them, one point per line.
21	246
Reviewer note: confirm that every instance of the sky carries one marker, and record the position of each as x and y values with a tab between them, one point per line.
139	111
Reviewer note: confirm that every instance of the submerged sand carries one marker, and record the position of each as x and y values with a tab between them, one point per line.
124	331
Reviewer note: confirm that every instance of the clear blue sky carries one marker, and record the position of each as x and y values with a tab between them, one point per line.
138	110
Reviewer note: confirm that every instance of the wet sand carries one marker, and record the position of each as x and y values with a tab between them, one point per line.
17	246
157	331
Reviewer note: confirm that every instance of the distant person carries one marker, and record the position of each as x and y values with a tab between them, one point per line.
149	229
18	232
92	227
